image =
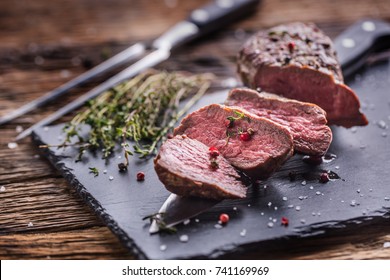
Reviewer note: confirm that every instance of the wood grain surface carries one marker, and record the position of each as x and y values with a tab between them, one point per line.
45	43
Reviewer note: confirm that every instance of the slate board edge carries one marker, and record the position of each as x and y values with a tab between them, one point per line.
91	201
330	228
315	230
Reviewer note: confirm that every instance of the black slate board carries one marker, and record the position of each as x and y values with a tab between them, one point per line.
358	198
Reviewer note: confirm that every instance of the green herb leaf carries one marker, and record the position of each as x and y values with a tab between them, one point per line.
158	218
94	171
142	110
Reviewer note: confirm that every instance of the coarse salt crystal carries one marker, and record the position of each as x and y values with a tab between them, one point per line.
12	145
2	189
318	193
284	198
303	183
269	204
196	220
298	208
270	224
353	203
163	247
184	238
186	222
290	206
105	171
303	221
39	60
276	208
46	128
235	208
111	178
218	226
30	224
382	124
386	245
19	129
311	187
65	73
243	232
387	198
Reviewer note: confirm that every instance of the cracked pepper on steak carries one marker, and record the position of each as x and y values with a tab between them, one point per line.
297	60
269	146
183	166
306	121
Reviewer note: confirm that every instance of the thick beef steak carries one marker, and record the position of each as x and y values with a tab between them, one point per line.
255	145
306	121
186	168
298	61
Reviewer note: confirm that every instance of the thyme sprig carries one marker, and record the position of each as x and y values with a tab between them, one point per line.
143	110
158	218
94	171
238	116
231	122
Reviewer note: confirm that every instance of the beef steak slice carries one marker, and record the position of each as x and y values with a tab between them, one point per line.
306	121
269	146
298	61
183	166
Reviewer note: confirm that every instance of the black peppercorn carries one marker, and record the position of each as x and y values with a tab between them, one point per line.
122	167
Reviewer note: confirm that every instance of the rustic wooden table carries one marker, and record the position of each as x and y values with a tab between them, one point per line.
45	43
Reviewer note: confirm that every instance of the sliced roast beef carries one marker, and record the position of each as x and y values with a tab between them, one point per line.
186	168
306	121
298	61
255	145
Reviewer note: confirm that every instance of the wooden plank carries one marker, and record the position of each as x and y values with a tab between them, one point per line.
73	22
46	203
102	244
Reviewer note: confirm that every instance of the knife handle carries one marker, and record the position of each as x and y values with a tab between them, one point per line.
220	13
204	20
358	41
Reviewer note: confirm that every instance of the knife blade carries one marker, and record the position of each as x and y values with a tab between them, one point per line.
201	21
368	35
175	213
